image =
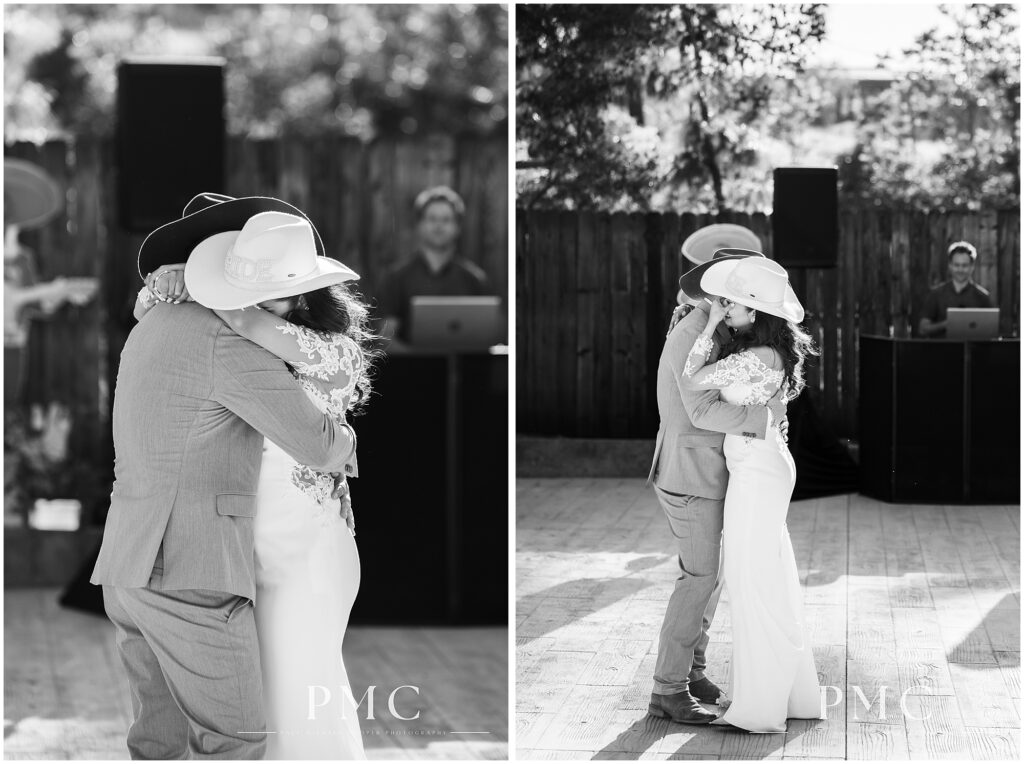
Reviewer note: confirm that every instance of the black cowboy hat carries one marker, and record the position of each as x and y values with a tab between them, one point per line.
205	215
689	282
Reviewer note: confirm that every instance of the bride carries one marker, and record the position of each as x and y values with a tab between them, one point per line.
307	564
773	676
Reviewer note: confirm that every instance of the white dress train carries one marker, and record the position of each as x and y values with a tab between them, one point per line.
307	577
773	676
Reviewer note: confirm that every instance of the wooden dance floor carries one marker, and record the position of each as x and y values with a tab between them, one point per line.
66	697
922	600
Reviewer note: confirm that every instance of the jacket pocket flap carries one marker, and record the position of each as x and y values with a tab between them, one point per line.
236	504
699	439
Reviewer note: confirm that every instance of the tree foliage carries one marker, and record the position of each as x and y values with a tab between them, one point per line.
307	69
948	133
586	73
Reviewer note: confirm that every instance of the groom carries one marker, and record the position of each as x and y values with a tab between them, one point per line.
690	477
192	405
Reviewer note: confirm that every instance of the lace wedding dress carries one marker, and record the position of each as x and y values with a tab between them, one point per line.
307	576
773	676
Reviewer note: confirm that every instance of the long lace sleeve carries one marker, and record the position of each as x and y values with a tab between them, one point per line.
698	355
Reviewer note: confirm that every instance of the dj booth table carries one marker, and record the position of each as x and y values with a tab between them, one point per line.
431	499
940	420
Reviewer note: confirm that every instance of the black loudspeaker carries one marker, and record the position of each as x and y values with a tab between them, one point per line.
805	217
170	137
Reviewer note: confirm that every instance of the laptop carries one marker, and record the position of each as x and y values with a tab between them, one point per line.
972	323
454	323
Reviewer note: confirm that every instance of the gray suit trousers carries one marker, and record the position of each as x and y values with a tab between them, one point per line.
696	523
193	666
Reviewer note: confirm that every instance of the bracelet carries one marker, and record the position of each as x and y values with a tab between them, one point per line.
156	278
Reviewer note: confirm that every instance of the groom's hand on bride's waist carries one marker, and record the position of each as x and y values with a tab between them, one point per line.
341	491
778	410
340	486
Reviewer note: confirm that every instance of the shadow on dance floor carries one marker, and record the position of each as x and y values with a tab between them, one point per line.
66	696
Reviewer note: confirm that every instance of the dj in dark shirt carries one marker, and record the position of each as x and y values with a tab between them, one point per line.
959	292
416	277
434	270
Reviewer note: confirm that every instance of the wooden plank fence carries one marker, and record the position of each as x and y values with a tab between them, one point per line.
594	292
360	196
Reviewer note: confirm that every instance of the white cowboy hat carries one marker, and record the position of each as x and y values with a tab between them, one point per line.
701	245
273	256
754	282
31	197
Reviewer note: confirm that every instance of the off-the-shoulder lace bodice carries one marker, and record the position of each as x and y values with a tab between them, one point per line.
329	379
744	378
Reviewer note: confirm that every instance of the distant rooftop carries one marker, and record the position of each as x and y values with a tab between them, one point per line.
860	73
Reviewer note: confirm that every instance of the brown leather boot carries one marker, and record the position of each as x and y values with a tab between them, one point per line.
680	707
705	690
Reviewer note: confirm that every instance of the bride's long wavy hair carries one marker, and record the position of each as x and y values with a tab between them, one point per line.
787	338
337	309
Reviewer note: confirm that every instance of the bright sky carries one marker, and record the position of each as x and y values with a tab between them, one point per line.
857	32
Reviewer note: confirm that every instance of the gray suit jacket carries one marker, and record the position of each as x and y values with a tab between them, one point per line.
688	459
192	405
